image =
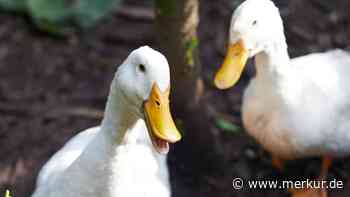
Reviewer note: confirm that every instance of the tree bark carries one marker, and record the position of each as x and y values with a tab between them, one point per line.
176	24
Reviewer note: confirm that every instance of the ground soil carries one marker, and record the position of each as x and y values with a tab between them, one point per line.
51	88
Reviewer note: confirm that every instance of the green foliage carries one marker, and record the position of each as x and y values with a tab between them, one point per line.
227	126
13	5
52	15
7	193
59	16
87	12
180	126
166	7
55	11
190	48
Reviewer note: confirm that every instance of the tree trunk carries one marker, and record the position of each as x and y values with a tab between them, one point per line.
176	23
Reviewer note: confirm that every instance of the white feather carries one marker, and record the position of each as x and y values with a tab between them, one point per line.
293	107
116	159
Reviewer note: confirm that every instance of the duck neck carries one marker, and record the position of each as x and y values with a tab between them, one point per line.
107	160
119	116
274	60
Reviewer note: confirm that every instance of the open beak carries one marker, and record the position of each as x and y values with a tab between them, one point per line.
161	126
232	68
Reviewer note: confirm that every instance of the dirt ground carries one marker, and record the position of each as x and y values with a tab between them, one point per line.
51	88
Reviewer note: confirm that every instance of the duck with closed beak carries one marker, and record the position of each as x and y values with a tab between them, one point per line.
294	108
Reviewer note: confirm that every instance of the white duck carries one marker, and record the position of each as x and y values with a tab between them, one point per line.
117	159
293	107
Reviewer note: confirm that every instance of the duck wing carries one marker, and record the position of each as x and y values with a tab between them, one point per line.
62	159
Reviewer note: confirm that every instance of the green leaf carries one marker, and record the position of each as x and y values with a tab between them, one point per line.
180	126
228	126
88	12
7	193
59	16
166	7
55	11
50	15
54	29
191	45
13	5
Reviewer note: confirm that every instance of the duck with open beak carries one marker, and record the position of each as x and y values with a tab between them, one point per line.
232	68
160	124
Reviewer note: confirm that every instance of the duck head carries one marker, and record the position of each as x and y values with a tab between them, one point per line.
144	82
255	26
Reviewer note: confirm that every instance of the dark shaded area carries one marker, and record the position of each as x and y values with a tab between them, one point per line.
52	88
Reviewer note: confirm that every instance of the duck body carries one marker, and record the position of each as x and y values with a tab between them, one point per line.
89	166
300	108
126	155
293	107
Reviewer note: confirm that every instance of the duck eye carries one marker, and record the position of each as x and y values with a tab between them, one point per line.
142	68
254	22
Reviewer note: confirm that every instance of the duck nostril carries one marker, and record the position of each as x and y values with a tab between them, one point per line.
254	22
157	103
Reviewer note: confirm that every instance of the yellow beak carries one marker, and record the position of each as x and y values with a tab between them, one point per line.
159	121
232	68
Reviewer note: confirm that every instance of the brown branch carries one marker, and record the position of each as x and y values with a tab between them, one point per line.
15	110
11	109
78	111
136	13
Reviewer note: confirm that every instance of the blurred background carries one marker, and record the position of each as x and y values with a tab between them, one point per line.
56	65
